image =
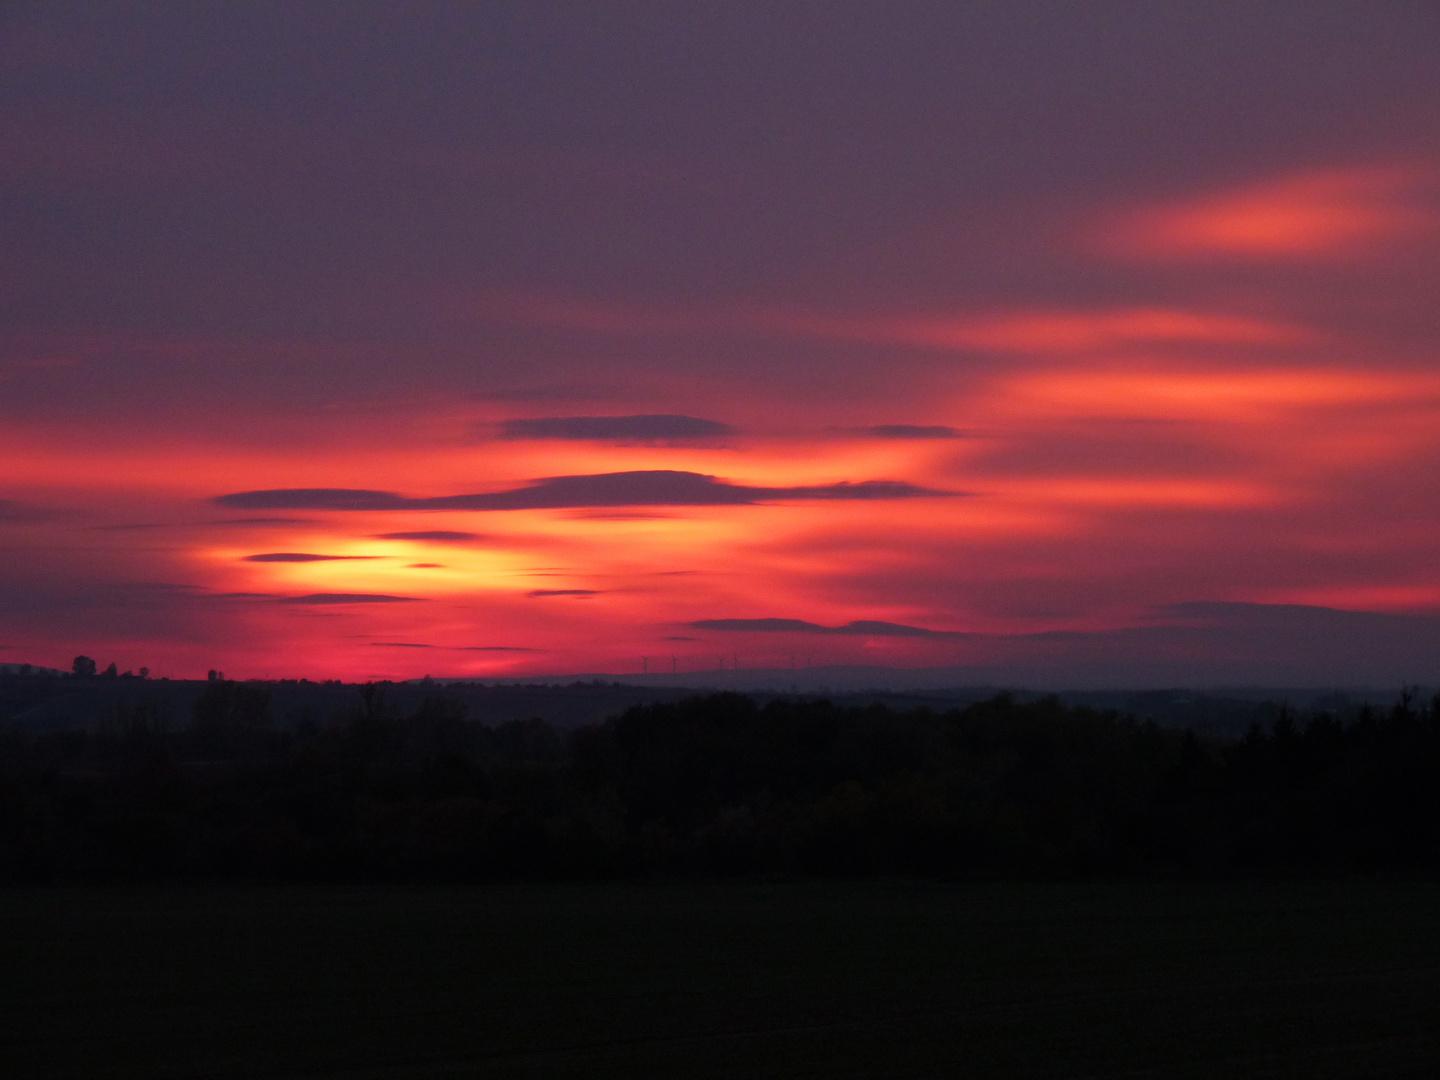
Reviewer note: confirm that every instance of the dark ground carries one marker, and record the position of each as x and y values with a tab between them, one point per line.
681	979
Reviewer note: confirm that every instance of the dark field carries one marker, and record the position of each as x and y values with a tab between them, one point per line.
1333	979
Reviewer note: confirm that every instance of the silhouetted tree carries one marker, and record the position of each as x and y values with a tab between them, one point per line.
83	667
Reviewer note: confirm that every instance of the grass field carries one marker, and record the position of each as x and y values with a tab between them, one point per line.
797	979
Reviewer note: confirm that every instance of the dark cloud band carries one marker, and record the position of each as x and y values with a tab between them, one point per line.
303	556
437	536
656	428
915	431
860	628
349	598
658	487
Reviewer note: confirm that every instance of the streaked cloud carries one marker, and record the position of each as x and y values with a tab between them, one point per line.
859	627
303	557
914	431
348	598
1045	330
1254	394
1300	216
657	428
1025	330
436	536
650	487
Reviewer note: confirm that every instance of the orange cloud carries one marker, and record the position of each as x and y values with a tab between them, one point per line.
1036	330
1318	213
1207	395
1047	330
1050	331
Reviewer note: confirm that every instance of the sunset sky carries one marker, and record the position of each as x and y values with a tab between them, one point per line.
1072	341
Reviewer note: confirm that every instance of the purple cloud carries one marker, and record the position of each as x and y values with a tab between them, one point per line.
915	431
315	499
301	556
655	428
439	536
348	598
651	487
861	627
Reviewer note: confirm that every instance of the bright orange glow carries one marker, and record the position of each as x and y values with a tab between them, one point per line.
1141	481
1292	217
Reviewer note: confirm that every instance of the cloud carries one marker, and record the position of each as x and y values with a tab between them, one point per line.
260	521
1065	331
563	592
1019	329
1226	395
424	566
147	526
438	536
300	556
658	428
315	499
348	598
11	511
453	648
1056	330
861	627
1295	216
655	487
914	431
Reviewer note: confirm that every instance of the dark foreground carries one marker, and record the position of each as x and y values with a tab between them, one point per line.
1330	979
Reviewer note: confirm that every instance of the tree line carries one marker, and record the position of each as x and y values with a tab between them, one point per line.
710	786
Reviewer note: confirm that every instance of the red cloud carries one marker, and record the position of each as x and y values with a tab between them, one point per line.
1298	216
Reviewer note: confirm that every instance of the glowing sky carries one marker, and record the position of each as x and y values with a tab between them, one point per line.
382	340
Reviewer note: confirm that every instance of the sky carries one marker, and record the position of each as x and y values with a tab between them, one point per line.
1064	342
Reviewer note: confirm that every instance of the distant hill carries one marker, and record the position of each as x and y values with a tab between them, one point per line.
48	700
